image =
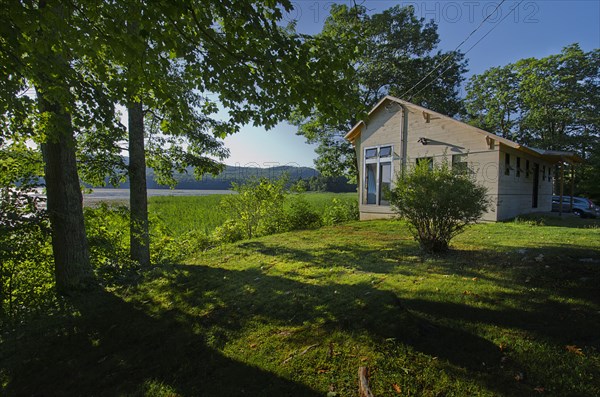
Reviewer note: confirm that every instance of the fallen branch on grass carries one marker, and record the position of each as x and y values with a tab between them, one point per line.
303	352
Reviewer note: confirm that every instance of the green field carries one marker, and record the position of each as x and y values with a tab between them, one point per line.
182	214
513	310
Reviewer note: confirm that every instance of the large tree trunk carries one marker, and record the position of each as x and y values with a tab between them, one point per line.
72	266
138	199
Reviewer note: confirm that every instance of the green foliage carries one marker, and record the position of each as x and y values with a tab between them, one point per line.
183	214
229	232
301	215
390	52
550	103
107	229
257	208
195	218
263	207
26	266
296	314
438	203
340	211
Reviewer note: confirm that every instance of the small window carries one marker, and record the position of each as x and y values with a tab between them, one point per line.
506	164
425	160
518	167
385	151
371	153
549	174
460	164
544	173
526	168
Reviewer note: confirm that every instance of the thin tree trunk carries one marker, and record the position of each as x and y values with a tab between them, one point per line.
138	199
72	266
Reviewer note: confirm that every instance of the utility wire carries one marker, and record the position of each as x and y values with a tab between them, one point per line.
470	48
457	47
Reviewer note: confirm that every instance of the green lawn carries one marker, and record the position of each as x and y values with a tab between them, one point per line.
514	310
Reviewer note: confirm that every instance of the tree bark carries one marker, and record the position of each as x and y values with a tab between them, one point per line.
72	266
138	200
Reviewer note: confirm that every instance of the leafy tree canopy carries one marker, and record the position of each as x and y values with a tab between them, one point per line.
392	53
550	103
83	57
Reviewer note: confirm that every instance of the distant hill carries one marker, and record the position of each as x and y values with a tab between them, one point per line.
231	173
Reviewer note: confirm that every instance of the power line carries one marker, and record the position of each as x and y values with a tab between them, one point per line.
470	48
457	47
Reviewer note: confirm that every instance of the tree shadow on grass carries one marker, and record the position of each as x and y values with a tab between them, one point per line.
113	348
365	259
569	270
231	300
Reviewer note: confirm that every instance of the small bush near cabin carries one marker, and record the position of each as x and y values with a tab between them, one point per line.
438	203
340	211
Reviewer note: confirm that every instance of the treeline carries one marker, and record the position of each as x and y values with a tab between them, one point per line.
309	178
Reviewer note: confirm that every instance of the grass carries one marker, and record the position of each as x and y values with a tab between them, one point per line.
203	213
185	213
513	310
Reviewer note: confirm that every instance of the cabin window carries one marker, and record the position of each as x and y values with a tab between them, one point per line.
371	153
526	168
506	164
460	164
378	175
385	151
518	167
544	173
425	160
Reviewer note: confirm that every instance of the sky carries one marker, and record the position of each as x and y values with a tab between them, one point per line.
516	30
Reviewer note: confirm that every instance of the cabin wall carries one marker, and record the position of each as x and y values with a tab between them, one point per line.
383	128
445	138
515	190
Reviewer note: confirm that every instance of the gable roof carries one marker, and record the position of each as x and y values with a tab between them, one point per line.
549	155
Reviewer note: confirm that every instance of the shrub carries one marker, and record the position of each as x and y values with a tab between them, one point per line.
256	210
26	265
301	216
340	211
438	203
107	229
229	232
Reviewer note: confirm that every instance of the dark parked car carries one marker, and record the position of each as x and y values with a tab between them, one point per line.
582	206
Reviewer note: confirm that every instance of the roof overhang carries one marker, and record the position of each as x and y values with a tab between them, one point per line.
355	131
558	156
